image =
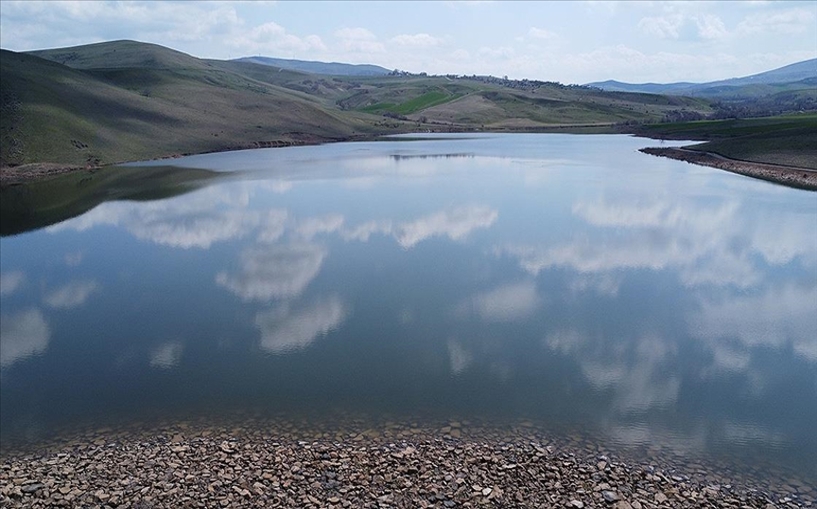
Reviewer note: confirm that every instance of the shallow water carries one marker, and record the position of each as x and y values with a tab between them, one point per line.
569	280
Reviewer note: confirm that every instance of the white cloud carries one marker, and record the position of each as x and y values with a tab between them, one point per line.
363	231
666	27
273	224
166	355
22	335
455	224
74	259
191	221
458	357
507	303
708	245
541	33
285	330
71	295
358	40
711	27
272	38
10	282
274	272
421	40
788	22
634	370
775	318
312	226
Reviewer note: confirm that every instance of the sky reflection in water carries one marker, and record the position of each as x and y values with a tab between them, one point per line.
568	279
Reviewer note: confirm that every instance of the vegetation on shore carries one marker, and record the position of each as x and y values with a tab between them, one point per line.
788	140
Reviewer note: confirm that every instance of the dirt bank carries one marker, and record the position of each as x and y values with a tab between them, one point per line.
789	176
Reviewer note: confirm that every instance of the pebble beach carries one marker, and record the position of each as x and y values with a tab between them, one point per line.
293	464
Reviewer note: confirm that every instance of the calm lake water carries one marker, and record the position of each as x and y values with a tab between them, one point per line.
569	280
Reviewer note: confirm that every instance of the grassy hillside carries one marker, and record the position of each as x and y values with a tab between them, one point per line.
174	105
124	100
789	140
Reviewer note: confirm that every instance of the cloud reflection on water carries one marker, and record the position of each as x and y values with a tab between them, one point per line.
22	334
278	271
287	328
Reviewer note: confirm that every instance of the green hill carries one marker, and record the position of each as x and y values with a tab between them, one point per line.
125	100
104	111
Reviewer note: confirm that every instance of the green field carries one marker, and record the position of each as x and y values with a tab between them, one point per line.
788	140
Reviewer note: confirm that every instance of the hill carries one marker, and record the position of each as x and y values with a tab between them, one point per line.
328	68
800	75
125	100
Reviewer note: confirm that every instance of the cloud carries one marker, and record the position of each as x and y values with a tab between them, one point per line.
10	282
312	226
194	229
458	357
167	355
719	244
197	220
456	224
506	303
421	40
273	224
541	33
285	330
363	231
274	272
74	259
71	295
635	370
777	317
22	335
791	21
358	40
272	38
681	26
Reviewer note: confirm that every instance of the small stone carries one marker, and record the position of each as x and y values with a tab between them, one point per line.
486	492
660	498
622	504
609	496
31	488
576	504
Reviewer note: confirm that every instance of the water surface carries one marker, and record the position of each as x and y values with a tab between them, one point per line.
565	279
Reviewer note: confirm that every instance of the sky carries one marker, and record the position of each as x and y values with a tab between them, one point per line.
565	41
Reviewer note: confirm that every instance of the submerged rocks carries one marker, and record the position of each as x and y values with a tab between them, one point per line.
294	465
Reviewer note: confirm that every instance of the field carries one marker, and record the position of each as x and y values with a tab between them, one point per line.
789	140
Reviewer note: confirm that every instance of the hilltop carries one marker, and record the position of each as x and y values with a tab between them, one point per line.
126	100
309	66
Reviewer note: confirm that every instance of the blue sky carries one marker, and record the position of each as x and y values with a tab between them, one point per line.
570	42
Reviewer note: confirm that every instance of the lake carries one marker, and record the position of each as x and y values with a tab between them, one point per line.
567	280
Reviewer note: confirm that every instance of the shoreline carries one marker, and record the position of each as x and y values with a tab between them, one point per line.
293	463
801	178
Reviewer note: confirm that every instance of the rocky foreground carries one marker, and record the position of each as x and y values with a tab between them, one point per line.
456	465
802	178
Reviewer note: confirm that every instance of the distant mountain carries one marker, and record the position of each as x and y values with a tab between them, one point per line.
799	75
328	68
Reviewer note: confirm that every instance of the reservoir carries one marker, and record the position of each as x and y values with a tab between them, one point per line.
567	281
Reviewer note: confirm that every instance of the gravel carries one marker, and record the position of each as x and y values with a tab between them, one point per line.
294	464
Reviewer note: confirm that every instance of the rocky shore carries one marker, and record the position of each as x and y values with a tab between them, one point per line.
786	175
457	464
